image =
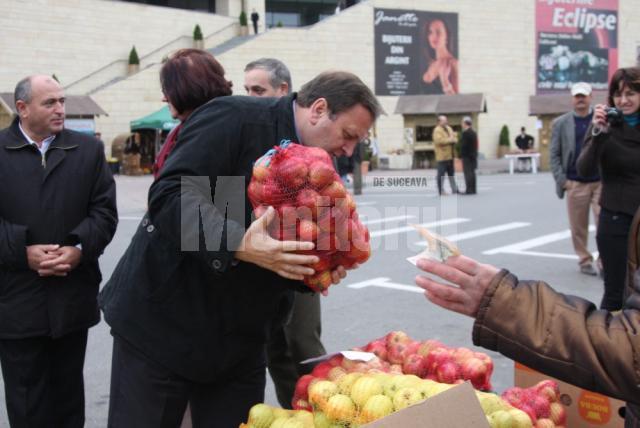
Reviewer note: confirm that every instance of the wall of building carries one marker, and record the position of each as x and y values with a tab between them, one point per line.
496	57
496	52
72	38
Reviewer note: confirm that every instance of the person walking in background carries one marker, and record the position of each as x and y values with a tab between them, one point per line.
299	338
583	192
612	148
57	215
469	155
445	140
524	143
255	17
189	78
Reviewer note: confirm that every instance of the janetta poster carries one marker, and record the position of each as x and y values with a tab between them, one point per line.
576	41
416	52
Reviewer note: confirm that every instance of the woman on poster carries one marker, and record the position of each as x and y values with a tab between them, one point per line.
441	76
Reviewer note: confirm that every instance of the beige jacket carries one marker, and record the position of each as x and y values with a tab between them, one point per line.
444	139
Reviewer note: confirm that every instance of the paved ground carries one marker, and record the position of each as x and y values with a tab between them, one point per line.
514	222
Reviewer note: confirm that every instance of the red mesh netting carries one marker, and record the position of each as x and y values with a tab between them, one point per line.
312	205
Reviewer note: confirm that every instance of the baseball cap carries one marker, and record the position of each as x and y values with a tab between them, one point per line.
581	88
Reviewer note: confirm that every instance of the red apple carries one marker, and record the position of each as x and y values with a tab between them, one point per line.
336	360
335	190
447	372
323	264
321	174
321	370
307	230
549	389
255	191
292	173
415	364
428	345
302	386
378	347
397	337
326	242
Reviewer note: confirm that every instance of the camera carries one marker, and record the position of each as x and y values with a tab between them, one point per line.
614	116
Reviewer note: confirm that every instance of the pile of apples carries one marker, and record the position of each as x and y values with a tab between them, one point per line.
265	416
430	359
312	205
356	399
541	402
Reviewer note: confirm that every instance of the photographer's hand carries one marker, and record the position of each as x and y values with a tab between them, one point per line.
600	119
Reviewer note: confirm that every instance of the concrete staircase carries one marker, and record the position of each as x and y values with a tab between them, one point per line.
117	70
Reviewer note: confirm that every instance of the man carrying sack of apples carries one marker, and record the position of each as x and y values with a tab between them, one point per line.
192	301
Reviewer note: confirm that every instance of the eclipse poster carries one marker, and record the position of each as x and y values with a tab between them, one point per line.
416	52
576	41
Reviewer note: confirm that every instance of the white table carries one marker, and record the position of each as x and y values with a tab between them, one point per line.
535	157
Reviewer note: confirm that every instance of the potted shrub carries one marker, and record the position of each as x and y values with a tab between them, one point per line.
244	27
198	40
134	61
503	142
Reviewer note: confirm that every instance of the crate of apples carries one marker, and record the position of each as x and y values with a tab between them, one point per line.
312	204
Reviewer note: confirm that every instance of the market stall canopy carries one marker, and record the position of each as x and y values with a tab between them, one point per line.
557	104
441	104
160	120
74	105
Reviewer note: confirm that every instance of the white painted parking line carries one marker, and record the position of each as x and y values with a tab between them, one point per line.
384	283
482	232
522	248
365	203
387	219
395	230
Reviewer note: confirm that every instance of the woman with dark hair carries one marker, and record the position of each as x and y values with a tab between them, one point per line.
189	78
613	146
442	71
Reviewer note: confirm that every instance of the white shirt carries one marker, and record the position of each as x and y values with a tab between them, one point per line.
44	145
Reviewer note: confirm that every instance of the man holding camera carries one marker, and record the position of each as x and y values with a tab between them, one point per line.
567	137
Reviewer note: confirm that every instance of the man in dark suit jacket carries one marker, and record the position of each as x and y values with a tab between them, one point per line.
57	215
469	155
193	300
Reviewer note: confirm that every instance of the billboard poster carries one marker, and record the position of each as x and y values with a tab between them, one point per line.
576	41
416	52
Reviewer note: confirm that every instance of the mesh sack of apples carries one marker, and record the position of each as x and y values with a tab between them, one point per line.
397	352
312	204
431	359
355	399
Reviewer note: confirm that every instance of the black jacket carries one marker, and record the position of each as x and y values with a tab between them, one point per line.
616	156
67	199
469	144
178	295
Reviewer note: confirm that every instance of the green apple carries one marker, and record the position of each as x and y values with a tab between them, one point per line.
363	388
261	416
406	397
377	407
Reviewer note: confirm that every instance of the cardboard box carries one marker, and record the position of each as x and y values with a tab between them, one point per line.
585	409
457	407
